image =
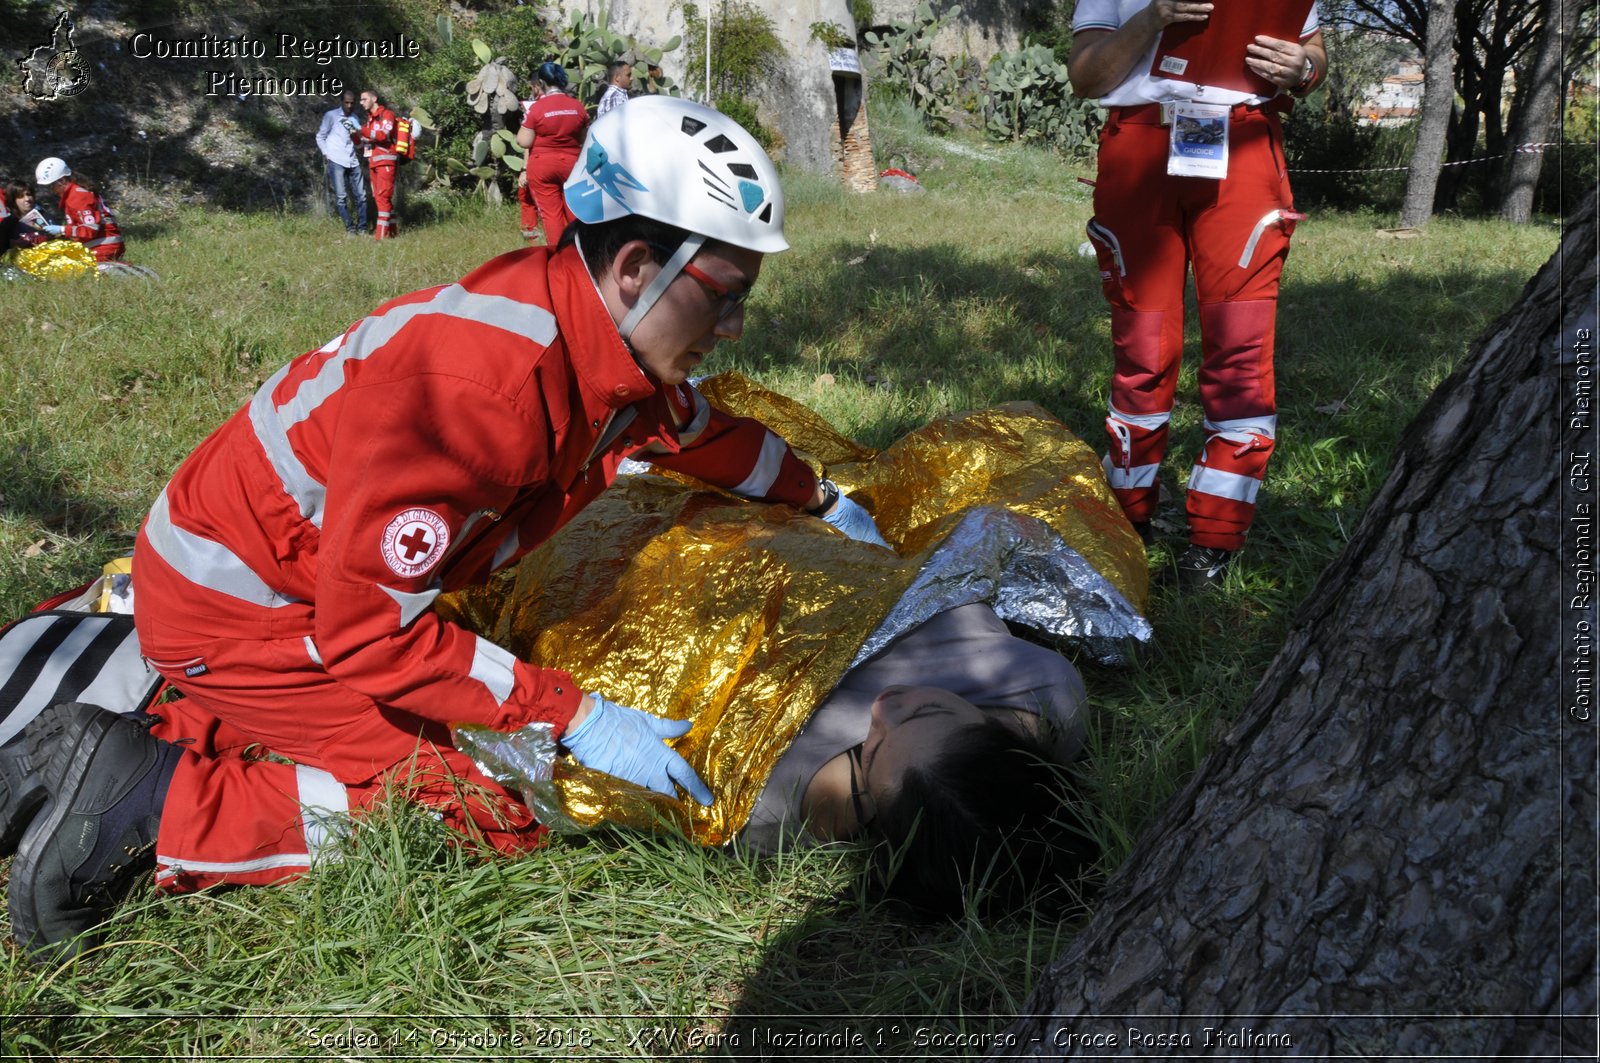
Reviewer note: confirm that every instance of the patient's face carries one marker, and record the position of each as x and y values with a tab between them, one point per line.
910	725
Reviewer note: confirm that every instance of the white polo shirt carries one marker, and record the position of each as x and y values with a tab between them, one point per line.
1139	87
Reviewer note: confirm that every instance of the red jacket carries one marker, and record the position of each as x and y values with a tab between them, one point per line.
559	123
436	440
90	221
378	134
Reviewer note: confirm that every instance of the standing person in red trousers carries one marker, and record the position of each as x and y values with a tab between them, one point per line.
87	219
1149	226
286	575
552	131
377	135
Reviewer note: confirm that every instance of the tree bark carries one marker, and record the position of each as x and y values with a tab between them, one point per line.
1438	96
1538	119
1393	851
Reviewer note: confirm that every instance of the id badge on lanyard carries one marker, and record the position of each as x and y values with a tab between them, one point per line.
1199	142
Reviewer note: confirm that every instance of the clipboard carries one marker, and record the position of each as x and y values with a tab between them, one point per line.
1212	52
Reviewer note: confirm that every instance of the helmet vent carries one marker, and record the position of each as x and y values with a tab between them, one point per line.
692	126
721	144
766	215
716	187
743	169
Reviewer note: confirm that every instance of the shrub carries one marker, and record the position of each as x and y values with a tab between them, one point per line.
907	65
743	111
744	49
1030	100
1336	163
1571	170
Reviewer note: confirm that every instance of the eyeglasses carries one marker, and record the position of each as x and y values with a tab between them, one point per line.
731	300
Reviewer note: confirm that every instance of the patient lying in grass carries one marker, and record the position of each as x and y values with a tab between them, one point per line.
839	690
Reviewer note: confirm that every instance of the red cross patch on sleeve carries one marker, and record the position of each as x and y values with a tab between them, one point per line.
414	542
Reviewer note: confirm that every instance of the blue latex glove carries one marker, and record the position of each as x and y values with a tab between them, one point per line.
854	521
53	230
632	745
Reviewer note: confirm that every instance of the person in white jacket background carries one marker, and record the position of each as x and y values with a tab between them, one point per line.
335	139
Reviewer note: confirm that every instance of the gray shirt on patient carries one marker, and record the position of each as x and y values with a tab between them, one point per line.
967	650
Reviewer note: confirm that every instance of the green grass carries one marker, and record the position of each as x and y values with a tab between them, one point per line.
889	311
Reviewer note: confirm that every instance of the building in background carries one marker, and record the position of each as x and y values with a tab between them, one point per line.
1395	100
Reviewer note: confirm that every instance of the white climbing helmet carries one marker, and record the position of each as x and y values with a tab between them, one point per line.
683	164
50	170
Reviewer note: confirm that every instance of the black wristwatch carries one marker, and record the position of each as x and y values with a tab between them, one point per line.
830	495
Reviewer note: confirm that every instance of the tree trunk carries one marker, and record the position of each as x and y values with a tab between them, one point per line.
1462	140
1393	851
1438	95
1538	119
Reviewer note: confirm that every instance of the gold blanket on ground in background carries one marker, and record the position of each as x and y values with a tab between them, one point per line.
678	599
53	260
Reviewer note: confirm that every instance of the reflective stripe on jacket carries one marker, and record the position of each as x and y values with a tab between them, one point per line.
436	440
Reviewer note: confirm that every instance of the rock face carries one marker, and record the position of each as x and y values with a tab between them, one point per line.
815	99
984	29
216	106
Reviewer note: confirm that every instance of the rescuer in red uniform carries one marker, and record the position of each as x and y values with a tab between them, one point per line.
286	575
377	138
552	132
86	218
1150	225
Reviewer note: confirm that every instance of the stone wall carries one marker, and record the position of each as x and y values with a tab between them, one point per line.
803	95
984	29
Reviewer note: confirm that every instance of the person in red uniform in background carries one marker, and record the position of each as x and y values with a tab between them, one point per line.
285	576
552	131
377	137
1148	226
87	219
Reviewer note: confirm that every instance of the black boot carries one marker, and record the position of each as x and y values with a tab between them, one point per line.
94	840
1202	567
22	765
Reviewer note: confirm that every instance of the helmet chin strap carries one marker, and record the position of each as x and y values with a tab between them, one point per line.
669	273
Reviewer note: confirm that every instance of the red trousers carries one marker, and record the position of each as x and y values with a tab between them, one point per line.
541	195
382	178
1149	229
530	212
232	816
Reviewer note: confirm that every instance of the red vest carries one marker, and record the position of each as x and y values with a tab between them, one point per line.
378	132
90	222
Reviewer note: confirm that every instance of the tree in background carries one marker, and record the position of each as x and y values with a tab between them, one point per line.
1438	98
1536	112
1494	40
1336	160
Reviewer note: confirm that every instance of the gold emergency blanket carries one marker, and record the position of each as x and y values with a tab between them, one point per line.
684	601
53	260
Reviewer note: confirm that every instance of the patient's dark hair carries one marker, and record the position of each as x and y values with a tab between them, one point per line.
602	241
994	816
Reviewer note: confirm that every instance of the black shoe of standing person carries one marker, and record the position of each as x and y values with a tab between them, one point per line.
1202	567
22	763
95	838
